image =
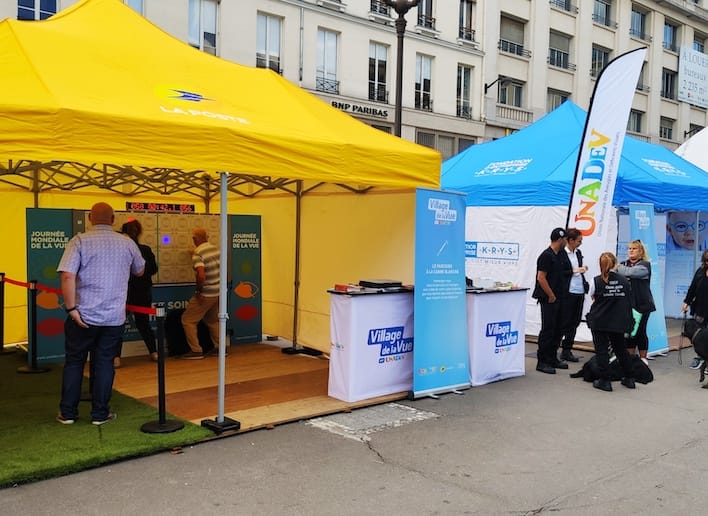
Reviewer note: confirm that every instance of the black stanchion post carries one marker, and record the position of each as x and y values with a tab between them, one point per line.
32	368
162	425
3	351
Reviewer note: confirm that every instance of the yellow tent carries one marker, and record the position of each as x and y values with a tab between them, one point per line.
99	84
97	99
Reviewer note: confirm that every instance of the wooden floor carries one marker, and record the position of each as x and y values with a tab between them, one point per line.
264	387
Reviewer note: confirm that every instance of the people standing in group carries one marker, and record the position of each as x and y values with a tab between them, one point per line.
95	269
204	304
697	299
637	269
140	291
571	308
552	267
610	319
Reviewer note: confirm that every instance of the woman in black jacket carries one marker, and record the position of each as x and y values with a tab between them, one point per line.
610	319
637	269
140	290
697	298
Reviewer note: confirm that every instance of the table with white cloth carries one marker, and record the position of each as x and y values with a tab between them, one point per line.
496	334
371	344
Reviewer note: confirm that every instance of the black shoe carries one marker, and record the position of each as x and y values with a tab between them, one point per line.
628	382
568	356
546	368
603	385
559	364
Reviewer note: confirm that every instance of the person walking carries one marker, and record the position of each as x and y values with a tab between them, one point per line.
204	304
571	308
140	291
95	269
610	319
697	299
551	265
637	269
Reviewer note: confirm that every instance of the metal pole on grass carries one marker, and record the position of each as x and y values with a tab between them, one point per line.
32	367
162	425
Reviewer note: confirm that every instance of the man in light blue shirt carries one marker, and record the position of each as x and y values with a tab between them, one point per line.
95	269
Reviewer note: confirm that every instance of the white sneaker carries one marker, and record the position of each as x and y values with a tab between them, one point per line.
696	364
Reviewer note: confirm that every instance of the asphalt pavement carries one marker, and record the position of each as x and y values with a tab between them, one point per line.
529	445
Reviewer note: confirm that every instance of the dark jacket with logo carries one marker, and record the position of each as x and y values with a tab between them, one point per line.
611	310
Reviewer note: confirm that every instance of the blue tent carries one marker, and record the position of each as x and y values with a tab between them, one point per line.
535	167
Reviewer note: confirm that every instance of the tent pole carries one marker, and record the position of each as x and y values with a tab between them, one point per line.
294	349
221	423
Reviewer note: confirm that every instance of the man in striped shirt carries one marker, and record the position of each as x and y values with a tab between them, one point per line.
204	304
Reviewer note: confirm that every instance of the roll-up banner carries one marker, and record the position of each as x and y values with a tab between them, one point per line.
441	355
641	227
600	151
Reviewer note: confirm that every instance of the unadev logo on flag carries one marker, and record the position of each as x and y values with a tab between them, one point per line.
179	101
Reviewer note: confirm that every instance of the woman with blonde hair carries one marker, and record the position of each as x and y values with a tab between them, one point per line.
637	269
610	319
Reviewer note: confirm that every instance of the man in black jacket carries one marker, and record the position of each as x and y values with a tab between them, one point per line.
551	267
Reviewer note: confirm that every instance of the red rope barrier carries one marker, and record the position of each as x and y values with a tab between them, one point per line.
133	308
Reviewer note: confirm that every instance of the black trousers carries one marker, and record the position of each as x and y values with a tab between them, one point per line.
550	335
602	341
571	312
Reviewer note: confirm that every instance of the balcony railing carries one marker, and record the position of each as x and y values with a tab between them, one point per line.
669	45
640	35
426	21
379	7
514	113
464	110
639	136
272	63
513	48
643	87
560	59
564	5
423	101
604	20
377	92
466	33
668	94
327	85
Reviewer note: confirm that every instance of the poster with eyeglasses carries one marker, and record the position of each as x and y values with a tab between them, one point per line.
686	235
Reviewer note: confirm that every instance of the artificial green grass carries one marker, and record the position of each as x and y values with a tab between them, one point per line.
33	446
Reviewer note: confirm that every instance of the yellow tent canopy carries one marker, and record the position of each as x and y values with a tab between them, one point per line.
104	97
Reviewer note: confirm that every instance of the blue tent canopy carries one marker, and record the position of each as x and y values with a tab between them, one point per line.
535	167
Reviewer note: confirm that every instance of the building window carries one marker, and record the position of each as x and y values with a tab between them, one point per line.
425	14
600	58
666	128
511	37
135	5
668	84
641	84
565	5
699	43
202	25
466	21
555	98
464	80
378	57
448	145
510	93
634	123
36	9
379	7
423	77
559	51
602	11
670	36
268	31
692	129
326	75
638	25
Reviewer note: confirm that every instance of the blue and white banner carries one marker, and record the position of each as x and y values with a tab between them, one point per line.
441	357
590	208
641	227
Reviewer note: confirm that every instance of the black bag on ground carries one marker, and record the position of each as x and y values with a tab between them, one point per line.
174	334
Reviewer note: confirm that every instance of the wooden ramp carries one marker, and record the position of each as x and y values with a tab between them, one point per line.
264	387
